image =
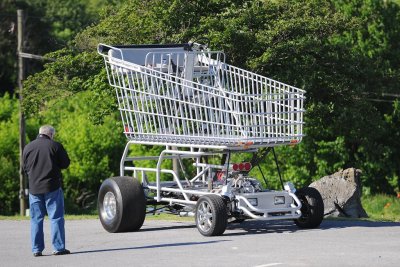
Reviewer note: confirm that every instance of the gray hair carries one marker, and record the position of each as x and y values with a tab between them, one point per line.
47	130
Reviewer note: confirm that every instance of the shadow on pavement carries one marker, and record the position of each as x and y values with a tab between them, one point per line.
183	226
265	227
283	226
249	227
260	227
345	223
153	246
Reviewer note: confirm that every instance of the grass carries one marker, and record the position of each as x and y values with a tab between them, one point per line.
379	207
382	207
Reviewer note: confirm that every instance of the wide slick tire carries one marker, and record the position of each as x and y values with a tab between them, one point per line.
121	204
312	210
211	215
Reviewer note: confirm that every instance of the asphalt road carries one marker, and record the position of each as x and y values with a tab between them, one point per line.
170	243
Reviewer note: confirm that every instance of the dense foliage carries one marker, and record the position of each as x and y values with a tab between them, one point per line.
344	53
49	25
9	153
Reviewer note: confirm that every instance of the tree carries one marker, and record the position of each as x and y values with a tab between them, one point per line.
50	25
377	40
8	44
317	45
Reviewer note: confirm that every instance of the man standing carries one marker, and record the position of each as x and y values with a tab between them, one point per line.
43	161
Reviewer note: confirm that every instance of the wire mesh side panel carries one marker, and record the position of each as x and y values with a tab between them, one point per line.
158	107
271	111
207	103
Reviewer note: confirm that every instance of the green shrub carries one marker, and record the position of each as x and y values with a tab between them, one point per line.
94	149
9	153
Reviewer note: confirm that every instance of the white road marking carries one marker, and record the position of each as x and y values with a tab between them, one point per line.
269	264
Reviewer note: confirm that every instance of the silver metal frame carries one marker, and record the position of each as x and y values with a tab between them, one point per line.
290	211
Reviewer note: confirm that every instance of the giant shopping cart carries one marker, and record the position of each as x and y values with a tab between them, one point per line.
186	98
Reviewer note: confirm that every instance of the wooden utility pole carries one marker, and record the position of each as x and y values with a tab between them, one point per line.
21	77
23	190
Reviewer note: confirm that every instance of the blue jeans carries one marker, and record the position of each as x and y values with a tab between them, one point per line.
53	204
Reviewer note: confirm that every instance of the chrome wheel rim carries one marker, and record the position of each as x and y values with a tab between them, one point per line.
204	216
109	206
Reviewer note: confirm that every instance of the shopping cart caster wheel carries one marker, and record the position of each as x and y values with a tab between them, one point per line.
121	204
312	210
211	215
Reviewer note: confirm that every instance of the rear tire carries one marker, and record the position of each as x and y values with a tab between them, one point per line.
211	215
312	210
121	204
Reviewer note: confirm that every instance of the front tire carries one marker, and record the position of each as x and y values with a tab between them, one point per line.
211	215
121	204
312	210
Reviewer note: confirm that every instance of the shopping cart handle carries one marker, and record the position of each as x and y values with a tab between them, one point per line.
103	49
137	53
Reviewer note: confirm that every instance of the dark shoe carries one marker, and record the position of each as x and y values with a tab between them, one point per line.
37	254
62	252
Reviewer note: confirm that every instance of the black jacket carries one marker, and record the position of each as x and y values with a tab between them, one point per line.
43	161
